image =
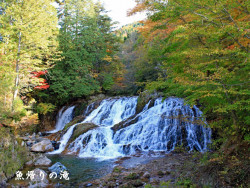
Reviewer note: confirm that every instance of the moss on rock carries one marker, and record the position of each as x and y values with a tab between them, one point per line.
80	108
12	154
81	129
77	119
144	98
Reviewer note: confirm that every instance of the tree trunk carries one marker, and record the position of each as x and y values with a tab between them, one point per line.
17	71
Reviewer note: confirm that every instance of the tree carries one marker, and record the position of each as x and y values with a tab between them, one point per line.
87	45
29	31
206	50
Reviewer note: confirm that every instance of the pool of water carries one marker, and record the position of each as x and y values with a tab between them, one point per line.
83	169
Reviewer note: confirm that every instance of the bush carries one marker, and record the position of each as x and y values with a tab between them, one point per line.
44	108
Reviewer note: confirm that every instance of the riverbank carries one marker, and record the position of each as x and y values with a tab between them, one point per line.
177	169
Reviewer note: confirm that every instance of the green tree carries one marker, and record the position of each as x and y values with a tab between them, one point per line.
28	31
86	42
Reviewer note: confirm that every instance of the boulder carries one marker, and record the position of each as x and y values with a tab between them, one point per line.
40	179
81	129
43	146
57	168
43	161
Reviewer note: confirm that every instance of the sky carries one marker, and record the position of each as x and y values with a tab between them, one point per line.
118	11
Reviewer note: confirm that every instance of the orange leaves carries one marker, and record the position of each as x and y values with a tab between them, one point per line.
155	29
231	47
138	8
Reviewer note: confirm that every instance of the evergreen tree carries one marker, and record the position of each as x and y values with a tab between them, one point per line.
85	42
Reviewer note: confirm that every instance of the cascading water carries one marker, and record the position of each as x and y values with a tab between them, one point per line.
163	126
158	128
100	143
64	117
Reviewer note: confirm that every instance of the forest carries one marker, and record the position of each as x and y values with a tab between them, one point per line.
195	50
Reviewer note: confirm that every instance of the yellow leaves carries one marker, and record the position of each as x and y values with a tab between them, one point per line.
108	58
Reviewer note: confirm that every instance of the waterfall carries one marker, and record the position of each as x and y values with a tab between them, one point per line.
63	117
163	126
158	127
100	143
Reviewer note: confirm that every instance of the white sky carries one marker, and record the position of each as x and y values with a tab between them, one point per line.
118	11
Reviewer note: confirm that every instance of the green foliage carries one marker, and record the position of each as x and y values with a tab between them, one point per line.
117	170
44	108
87	47
199	51
132	176
12	154
107	81
185	183
19	110
28	43
148	186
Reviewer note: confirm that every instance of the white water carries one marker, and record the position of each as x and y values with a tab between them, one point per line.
64	117
99	141
162	126
158	128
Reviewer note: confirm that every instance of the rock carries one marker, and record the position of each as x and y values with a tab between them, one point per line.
160	174
43	146
55	144
29	163
3	178
30	143
81	129
23	143
40	139
57	168
137	183
88	185
146	175
43	161
40	179
25	138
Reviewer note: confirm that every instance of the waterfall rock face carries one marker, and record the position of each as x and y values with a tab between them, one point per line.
158	127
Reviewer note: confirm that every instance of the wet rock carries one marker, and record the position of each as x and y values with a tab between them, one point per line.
43	161
81	129
40	179
29	143
146	175
88	185
57	168
43	146
55	144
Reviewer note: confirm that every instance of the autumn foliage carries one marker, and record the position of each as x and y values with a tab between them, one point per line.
44	85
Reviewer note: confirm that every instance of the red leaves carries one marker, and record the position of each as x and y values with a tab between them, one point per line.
39	73
44	84
231	47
